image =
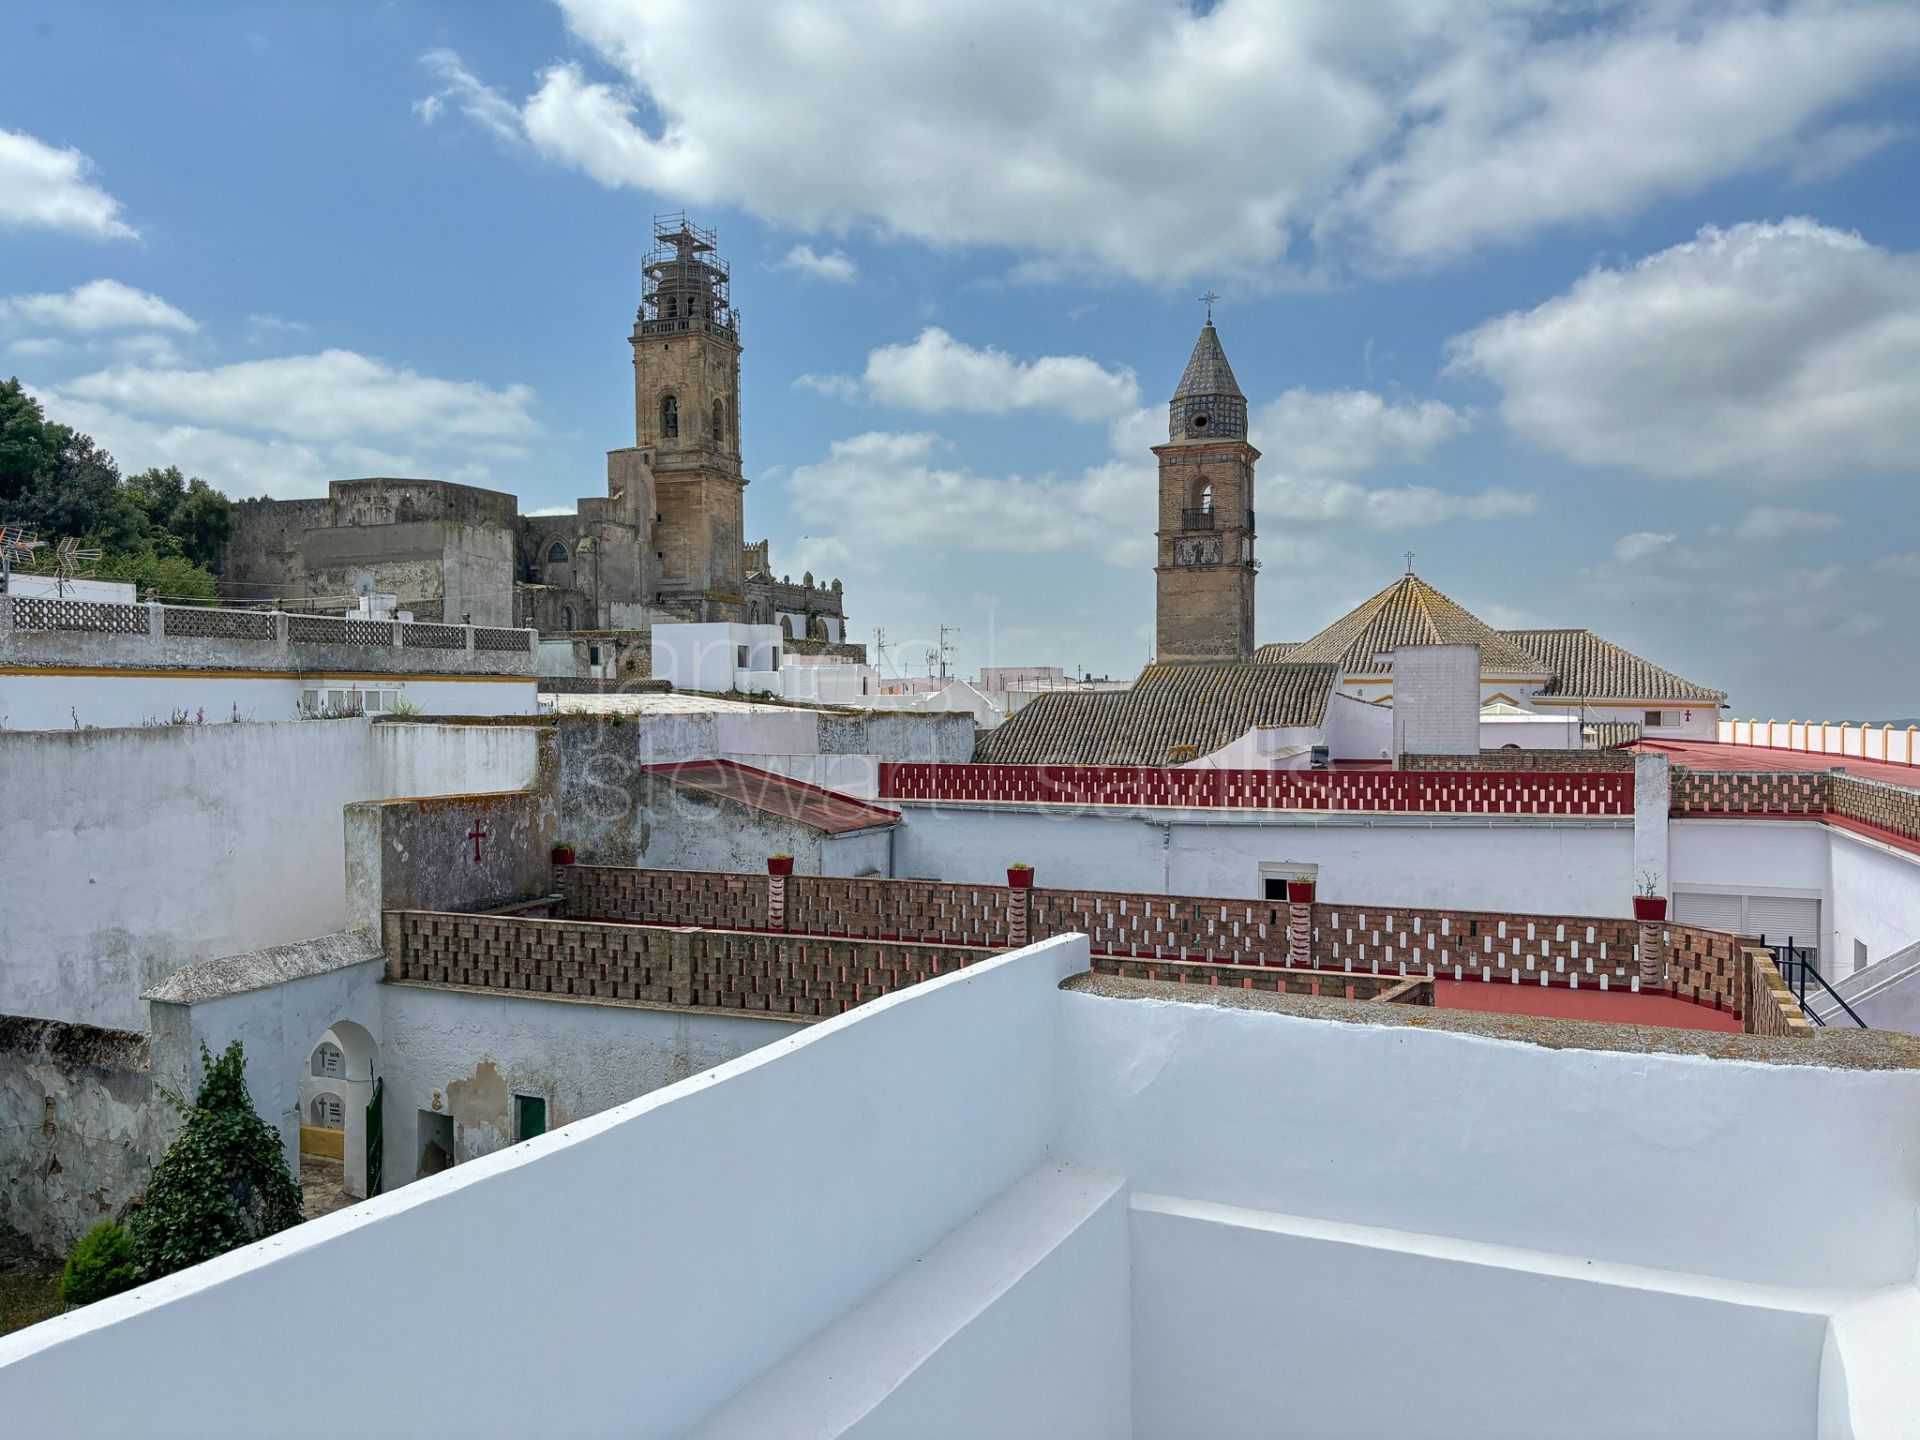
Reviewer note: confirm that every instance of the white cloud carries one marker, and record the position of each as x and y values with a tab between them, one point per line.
837	387
262	327
1641	545
1765	523
1159	139
1346	430
334	395
96	305
1783	352
936	373
834	265
45	188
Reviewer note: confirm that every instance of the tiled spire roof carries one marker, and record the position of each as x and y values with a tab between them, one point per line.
1411	612
1208	372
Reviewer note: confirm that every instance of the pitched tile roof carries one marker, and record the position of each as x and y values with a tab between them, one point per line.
1410	612
827	811
1585	667
1208	372
1172	714
1274	651
1612	734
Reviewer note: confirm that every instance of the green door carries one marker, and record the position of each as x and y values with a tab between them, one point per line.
529	1116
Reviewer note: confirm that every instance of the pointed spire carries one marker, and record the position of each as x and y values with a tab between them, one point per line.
1209	403
1208	372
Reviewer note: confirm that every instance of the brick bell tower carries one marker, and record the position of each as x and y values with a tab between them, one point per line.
1204	575
686	401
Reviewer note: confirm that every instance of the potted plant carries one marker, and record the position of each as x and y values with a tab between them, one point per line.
563	853
1299	892
1020	875
781	864
1649	905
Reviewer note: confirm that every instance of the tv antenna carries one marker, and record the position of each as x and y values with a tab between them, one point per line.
17	544
945	651
71	560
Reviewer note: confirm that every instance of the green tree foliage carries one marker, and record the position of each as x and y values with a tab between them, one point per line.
102	1264
161	529
223	1183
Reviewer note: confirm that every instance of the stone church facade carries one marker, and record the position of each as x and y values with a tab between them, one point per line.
665	543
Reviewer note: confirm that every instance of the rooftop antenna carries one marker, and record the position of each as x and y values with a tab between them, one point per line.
880	647
945	649
71	560
1207	300
17	544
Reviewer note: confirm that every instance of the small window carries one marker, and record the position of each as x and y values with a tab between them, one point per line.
1206	496
673	307
566	617
740	657
593	654
669	417
529	1116
556	554
1655	718
719	423
329	1059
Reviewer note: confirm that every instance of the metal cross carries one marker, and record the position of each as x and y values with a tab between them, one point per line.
476	835
1208	300
1409	562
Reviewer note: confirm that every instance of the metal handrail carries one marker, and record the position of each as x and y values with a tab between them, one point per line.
1800	968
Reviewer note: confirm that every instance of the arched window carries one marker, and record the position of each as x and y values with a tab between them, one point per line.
669	417
328	1059
327	1112
719	423
673	307
556	554
1205	506
566	617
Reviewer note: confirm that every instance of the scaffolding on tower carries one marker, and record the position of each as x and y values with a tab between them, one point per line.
685	285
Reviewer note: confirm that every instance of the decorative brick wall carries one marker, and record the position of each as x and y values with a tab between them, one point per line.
1770	1006
1355	791
709	898
1327	984
1567	762
1751	792
1467	944
725	970
1892	808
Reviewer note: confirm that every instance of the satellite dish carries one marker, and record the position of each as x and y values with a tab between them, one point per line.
363	583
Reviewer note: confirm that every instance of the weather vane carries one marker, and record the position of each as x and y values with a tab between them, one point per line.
1208	300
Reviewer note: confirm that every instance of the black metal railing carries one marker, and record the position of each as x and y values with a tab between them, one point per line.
1797	967
1191	519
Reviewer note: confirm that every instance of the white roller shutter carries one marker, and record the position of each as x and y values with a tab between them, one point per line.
1779	917
1715	912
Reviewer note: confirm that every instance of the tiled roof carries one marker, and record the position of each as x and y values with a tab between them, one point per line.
1612	734
1410	612
1274	651
1585	667
1172	714
1208	372
827	811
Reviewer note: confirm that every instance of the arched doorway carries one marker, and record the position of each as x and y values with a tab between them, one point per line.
338	1085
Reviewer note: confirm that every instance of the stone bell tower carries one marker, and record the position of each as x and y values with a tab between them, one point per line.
686	402
1205	570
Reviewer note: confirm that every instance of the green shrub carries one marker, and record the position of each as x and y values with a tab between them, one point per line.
223	1183
102	1264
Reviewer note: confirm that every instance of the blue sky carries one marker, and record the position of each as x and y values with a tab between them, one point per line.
1611	314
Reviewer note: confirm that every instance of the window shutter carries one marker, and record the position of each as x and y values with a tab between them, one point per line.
1715	912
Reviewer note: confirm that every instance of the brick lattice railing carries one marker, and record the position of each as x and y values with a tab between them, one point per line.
1889	811
35	613
1351	791
1232	936
1326	984
1566	762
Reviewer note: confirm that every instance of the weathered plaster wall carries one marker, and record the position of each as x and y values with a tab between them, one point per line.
672	827
79	1127
474	1052
130	853
451	852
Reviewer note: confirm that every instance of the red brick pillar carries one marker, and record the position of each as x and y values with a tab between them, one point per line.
1300	923
1019	892
779	867
1651	912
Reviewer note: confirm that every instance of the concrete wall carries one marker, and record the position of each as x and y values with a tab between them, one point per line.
664	825
1436	699
56	701
456	852
130	853
1575	867
79	1127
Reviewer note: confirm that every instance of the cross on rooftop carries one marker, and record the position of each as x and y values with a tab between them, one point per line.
1208	300
1409	562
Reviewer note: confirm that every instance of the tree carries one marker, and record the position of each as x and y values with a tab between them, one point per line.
202	522
81	496
223	1183
102	1264
27	446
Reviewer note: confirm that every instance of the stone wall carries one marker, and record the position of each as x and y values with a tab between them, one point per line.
80	1127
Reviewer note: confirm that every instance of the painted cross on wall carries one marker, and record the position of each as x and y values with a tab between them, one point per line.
476	835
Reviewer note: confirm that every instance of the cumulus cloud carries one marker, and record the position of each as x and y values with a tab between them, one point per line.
42	187
1159	139
1782	352
936	373
94	306
1641	545
834	265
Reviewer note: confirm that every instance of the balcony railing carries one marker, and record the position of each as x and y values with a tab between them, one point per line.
1196	519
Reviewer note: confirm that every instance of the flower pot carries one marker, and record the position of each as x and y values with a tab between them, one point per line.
1650	907
779	865
1021	879
563	854
1299	892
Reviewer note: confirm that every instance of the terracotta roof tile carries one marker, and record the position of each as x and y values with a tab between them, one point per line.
1172	714
827	811
1410	612
1583	666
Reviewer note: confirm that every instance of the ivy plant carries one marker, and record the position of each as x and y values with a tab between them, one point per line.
223	1183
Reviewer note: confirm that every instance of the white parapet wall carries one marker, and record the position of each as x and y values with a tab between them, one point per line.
995	1205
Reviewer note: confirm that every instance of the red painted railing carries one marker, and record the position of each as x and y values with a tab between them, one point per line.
1425	792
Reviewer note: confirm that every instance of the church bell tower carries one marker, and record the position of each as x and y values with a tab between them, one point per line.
686	400
1205	570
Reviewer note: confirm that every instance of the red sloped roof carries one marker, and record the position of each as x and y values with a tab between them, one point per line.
825	810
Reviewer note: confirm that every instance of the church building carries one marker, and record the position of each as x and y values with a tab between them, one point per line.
665	543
